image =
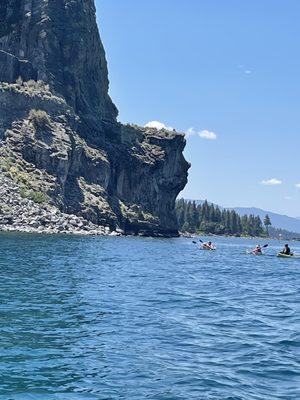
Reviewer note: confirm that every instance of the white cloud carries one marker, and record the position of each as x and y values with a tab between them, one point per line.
158	125
205	134
246	70
297	185
190	132
271	182
208	135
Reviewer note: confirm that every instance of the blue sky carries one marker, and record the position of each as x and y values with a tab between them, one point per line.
226	67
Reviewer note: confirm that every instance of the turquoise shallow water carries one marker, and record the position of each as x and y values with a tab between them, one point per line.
134	319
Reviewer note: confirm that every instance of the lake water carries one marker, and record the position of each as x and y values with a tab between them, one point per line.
134	319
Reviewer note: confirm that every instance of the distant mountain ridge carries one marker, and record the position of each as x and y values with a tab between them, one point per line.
278	220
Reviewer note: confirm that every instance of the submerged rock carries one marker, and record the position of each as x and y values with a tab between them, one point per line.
61	144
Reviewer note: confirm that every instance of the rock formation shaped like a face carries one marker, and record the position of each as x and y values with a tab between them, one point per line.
57	41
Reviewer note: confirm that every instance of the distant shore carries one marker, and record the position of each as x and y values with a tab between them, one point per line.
201	234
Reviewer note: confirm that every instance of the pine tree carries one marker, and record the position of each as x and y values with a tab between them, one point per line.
267	223
205	211
258	227
233	222
179	209
193	217
245	224
218	215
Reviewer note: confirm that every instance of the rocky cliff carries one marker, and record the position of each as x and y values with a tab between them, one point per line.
58	121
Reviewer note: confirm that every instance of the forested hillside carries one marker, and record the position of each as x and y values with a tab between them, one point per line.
210	219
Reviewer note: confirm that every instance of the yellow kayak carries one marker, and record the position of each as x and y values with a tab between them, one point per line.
282	255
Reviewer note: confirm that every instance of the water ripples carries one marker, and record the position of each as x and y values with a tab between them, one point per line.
132	319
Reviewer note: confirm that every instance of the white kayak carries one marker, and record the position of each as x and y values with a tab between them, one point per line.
208	248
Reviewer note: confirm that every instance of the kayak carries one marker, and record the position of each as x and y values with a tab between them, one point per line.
255	254
281	255
207	248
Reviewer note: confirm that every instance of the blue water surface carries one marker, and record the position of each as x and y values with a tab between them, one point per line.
136	318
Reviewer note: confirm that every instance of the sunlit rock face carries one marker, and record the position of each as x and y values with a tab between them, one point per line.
56	115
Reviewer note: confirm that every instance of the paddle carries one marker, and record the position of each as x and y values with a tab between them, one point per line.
201	241
262	247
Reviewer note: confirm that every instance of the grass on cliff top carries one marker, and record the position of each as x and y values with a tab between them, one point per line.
31	88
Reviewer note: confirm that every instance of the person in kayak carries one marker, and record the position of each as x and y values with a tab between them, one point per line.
286	250
257	250
208	246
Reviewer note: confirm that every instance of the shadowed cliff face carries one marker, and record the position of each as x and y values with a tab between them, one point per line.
110	174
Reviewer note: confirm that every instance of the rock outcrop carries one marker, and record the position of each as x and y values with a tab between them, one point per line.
57	119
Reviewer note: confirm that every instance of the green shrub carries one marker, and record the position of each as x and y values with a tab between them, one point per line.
31	88
40	86
36	197
13	170
5	209
23	178
40	119
6	163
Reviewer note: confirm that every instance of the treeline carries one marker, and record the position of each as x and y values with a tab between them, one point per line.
283	234
210	219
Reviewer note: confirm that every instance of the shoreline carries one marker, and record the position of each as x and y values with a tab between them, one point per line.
100	231
195	236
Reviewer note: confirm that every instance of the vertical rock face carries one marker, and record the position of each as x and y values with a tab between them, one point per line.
61	41
59	118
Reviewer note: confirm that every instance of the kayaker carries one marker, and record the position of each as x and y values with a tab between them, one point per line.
257	250
286	250
208	246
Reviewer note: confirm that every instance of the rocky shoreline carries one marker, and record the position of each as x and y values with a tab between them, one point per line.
20	214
